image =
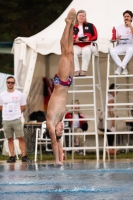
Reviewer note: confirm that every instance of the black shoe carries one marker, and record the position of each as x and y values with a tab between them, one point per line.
26	159
12	159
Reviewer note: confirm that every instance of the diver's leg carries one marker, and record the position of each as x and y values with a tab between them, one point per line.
66	60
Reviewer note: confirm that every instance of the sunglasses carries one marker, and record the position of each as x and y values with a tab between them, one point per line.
10	82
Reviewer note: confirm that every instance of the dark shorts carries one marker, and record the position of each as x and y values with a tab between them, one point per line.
13	126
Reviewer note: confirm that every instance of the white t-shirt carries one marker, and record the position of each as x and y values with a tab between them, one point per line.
80	33
76	123
11	102
125	32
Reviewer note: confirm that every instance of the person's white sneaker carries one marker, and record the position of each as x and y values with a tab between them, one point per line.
124	72
118	71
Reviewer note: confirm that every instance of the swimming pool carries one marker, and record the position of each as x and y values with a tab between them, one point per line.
77	181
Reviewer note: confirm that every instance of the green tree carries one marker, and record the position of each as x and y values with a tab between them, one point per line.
28	17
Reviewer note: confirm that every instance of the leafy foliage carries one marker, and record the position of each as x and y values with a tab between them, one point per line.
28	17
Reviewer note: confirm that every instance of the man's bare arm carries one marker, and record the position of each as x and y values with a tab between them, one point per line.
0	107
111	112
23	108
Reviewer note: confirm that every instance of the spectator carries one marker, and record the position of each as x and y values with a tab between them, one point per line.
84	33
132	112
12	103
79	126
131	123
110	123
124	36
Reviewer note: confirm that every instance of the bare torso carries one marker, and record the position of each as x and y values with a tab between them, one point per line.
57	104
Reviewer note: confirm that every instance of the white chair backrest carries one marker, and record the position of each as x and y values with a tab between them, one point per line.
43	129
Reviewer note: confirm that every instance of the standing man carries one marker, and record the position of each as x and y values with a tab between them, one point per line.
62	81
12	104
110	114
124	36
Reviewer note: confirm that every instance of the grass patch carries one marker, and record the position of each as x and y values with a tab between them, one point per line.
88	156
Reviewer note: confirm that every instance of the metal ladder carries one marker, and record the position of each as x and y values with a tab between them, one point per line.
92	107
116	105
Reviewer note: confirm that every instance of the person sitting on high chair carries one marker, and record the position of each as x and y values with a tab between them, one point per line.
84	33
124	37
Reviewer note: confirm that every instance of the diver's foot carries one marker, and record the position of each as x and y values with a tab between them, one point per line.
59	164
71	16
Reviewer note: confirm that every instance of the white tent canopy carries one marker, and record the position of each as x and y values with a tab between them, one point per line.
103	14
29	61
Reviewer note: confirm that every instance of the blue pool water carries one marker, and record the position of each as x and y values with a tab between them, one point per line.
77	181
